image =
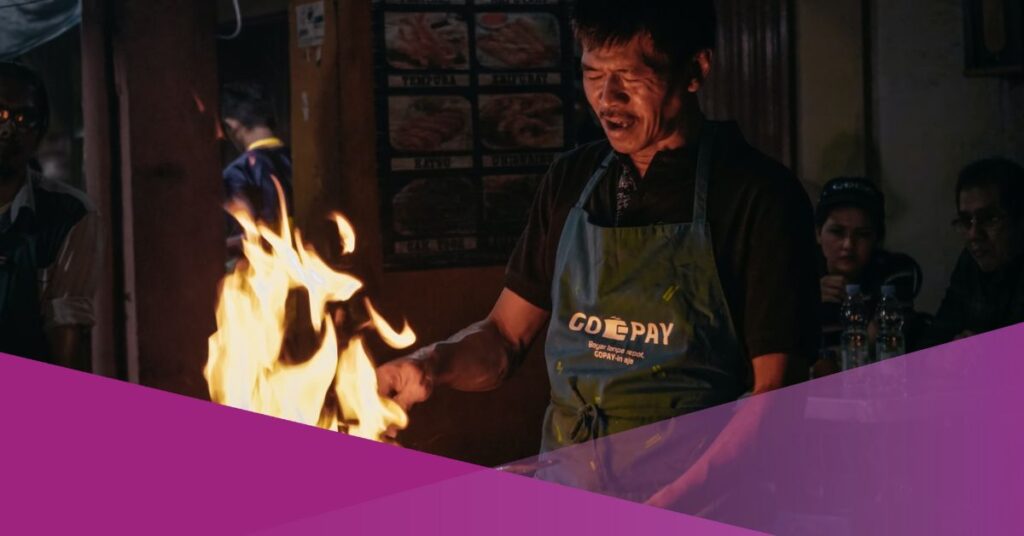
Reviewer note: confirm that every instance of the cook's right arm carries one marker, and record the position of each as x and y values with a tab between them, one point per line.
478	358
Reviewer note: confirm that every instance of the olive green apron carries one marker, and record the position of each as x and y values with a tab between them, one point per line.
640	332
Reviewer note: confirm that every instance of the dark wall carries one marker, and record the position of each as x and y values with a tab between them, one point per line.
258	54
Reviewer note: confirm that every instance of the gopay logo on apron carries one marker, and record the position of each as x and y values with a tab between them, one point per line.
617	329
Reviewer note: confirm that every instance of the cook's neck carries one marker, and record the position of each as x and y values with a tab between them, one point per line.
688	132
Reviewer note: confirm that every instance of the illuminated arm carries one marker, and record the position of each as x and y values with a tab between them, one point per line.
478	358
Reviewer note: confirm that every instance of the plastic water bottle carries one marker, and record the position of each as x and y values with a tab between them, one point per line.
890	341
854	343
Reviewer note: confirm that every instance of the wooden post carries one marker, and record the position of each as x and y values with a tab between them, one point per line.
102	184
164	58
314	123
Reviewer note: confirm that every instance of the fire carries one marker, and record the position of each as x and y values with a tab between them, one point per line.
248	364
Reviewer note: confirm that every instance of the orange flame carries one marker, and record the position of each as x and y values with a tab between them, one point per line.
245	368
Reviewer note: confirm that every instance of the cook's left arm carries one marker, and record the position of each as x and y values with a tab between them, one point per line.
780	328
737	441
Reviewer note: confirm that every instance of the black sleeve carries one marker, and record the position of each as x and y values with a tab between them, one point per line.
529	269
782	294
951	319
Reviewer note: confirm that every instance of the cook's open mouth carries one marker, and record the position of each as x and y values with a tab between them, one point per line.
618	123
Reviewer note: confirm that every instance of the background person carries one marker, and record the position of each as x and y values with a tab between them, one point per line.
247	113
986	290
850	221
49	237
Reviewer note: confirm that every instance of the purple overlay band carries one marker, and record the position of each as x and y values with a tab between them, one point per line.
83	454
929	443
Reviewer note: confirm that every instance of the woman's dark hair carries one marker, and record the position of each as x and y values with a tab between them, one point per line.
1002	173
678	28
247	103
40	99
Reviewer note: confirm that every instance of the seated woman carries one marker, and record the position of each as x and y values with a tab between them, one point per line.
850	219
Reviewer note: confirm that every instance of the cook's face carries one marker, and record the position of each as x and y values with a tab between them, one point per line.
636	101
988	232
847	240
18	139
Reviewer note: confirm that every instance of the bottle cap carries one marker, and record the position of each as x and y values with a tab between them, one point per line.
889	291
852	289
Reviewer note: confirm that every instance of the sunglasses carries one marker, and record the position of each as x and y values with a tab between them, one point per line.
23	118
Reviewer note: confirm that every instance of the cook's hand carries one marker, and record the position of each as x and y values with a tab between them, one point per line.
681	491
665	498
833	289
407	380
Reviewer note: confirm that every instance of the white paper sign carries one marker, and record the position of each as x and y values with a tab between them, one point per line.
310	23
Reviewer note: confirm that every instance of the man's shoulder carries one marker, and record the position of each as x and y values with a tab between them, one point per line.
249	164
277	156
239	165
58	198
570	171
749	166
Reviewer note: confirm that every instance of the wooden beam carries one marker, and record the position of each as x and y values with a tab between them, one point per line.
102	184
164	58
314	123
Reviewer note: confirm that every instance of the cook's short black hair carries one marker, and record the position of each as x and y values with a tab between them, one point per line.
248	103
40	99
678	28
1002	173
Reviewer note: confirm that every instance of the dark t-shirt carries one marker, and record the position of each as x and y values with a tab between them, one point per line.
249	177
976	301
762	230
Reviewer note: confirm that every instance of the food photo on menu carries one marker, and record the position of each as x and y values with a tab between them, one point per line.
507	200
427	41
521	121
430	123
436	206
517	40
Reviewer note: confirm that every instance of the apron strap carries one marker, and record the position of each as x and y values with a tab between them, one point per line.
704	156
594	179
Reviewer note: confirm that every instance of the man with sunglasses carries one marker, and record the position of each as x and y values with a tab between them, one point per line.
986	290
48	237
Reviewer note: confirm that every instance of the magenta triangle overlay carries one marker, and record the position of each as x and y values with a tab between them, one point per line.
81	450
930	443
927	443
85	454
494	503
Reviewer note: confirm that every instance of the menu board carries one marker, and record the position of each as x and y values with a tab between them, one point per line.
474	99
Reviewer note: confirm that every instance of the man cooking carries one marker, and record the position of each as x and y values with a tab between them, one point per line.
674	261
